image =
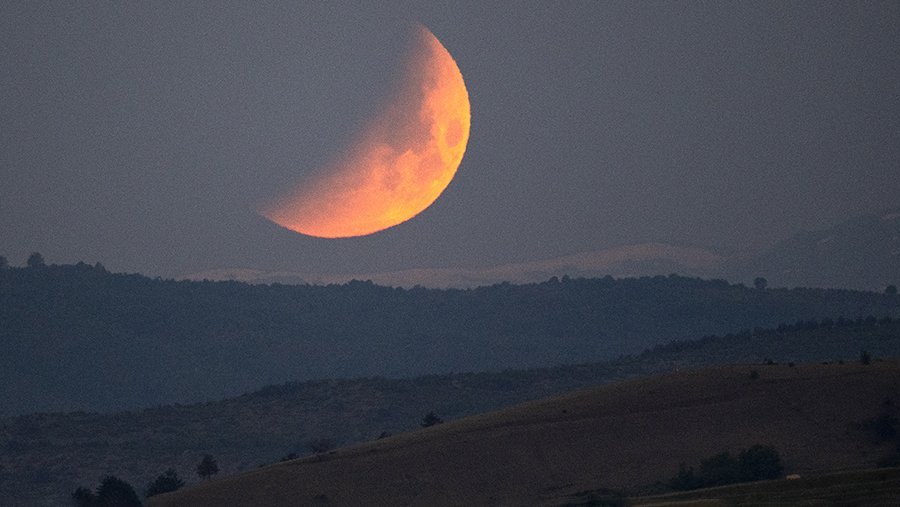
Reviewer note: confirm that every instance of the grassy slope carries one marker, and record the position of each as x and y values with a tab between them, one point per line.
45	456
874	488
624	436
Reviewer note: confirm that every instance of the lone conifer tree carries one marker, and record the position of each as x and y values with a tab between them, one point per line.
207	467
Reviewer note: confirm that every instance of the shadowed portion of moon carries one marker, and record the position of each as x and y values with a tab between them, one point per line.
400	165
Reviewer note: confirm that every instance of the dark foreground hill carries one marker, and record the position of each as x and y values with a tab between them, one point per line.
624	436
43	457
877	487
79	338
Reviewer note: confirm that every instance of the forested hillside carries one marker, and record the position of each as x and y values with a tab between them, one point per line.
78	337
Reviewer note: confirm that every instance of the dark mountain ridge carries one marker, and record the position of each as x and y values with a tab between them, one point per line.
79	338
861	252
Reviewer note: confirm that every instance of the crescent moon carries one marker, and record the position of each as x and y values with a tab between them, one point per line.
401	163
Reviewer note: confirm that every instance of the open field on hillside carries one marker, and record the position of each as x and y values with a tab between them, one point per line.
874	487
46	456
625	436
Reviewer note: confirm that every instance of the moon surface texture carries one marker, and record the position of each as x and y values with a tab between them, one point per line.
401	163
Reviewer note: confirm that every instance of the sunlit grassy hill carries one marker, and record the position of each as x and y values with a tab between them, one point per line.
624	436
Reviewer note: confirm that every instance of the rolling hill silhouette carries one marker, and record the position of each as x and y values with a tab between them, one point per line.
623	436
79	338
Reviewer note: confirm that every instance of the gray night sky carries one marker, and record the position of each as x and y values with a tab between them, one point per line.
145	135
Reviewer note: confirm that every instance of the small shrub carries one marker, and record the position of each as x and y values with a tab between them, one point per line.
603	498
207	467
165	483
754	374
719	470
891	460
884	426
114	492
320	445
685	479
759	463
430	419
83	497
865	357
756	463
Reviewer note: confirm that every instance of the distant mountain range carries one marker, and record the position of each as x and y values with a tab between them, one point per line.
620	262
862	253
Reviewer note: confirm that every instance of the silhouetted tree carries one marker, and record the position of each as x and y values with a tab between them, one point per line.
884	426
114	492
35	260
865	357
719	470
891	460
685	479
83	497
756	463
289	456
760	283
207	467
4	263
431	419
891	290
759	462
165	483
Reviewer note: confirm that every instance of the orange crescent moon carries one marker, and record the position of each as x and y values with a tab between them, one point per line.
402	163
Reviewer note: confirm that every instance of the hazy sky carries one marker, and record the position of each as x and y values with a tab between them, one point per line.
146	134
